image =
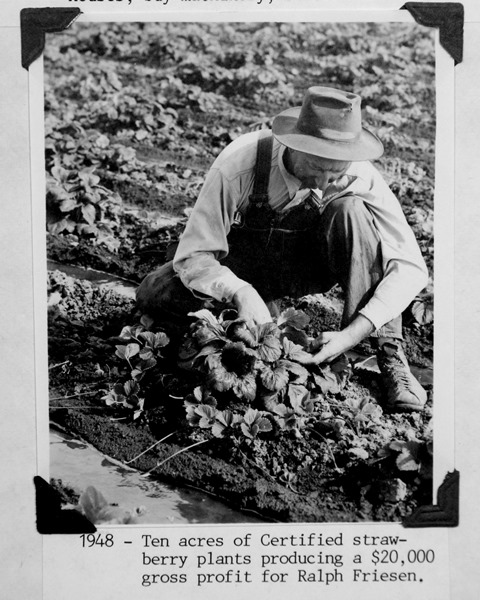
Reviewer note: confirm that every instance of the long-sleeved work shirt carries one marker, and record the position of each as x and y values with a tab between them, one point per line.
226	191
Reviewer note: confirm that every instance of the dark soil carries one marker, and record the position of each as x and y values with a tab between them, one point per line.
234	479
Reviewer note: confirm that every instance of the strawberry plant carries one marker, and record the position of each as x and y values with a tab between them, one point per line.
143	351
254	423
412	455
258	375
78	204
126	395
261	363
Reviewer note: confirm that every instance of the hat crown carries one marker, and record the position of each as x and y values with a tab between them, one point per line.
330	114
329	125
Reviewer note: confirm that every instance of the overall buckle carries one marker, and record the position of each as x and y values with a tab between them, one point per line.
238	219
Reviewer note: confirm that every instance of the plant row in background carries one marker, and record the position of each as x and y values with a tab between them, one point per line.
147	107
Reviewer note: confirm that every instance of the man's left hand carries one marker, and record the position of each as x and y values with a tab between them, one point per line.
330	344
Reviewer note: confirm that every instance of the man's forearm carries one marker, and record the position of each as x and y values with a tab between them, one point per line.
358	330
330	344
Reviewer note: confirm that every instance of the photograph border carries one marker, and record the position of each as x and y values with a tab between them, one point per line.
445	510
46	553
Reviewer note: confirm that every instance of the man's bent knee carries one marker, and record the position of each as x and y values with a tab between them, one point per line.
347	214
346	205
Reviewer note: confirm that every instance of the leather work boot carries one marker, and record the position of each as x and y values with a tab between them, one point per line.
404	392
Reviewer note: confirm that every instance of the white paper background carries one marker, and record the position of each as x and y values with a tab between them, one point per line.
35	567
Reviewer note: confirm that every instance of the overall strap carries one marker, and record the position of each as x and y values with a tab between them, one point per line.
259	194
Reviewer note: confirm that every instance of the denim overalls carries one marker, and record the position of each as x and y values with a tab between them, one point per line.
305	250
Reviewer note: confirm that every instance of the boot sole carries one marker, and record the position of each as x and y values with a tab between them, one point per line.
402	407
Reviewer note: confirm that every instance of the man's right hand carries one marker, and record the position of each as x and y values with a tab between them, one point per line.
251	307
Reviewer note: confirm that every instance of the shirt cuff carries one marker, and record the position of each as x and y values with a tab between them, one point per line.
225	288
377	312
206	278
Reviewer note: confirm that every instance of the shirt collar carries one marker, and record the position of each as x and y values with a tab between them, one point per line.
293	184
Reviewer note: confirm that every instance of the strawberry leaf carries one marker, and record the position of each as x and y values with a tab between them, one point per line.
131	388
161	340
296	393
208	350
91	502
198	394
270	348
239	331
68	205
422	312
207	316
264	425
251	415
296	319
274	379
225	420
269	401
267	329
300	399
219	430
89	213
296	353
254	422
87	177
327	380
131	350
245	388
299	373
408	459
147	337
61	174
207	416
205	334
297	336
145	354
247	431
220	379
286	417
213	361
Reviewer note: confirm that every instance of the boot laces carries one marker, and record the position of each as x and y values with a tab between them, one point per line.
393	367
398	374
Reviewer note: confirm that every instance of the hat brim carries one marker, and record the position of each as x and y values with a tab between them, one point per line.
284	127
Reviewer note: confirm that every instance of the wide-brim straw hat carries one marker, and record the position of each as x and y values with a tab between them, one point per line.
329	125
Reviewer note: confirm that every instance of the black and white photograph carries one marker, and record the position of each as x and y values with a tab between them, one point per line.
240	246
244	244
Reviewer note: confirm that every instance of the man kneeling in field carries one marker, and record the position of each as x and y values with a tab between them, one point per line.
294	211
